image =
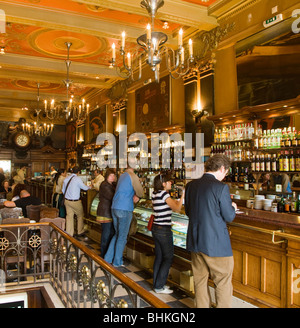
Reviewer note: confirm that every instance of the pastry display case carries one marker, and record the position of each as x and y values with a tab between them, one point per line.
142	212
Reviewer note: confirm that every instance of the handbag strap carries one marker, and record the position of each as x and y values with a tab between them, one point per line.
68	184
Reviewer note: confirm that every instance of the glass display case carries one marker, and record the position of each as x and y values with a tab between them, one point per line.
94	206
142	213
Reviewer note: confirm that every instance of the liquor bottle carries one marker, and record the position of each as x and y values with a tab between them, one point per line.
260	142
216	135
295	140
242	175
274	163
298	204
286	162
253	168
246	177
257	164
297	161
183	174
280	206
281	161
236	174
292	162
262	163
288	140
239	152
265	139
287	205
294	203
268	163
248	152
282	143
279	136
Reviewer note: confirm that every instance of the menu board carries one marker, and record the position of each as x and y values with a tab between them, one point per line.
153	106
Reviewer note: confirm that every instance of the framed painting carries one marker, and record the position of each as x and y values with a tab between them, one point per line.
71	136
153	106
97	123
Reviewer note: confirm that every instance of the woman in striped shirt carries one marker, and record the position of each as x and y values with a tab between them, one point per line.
163	205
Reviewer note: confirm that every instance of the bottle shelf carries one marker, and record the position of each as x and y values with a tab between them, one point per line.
231	141
287	172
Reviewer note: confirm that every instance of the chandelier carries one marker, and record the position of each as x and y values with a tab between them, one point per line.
37	128
153	50
68	109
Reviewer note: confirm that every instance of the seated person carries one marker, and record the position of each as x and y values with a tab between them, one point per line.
16	191
5	187
25	199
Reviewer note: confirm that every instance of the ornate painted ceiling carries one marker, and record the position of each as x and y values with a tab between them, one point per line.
36	32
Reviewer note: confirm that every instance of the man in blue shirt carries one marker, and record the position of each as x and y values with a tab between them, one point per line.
128	192
73	202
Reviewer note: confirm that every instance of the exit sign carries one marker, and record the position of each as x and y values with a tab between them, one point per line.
274	20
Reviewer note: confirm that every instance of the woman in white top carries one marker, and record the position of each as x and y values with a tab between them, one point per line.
163	205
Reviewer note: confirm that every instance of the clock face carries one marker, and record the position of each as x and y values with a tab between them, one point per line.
22	140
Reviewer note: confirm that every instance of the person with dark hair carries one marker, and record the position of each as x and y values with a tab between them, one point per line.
24	200
5	187
104	216
128	191
163	205
73	202
209	208
16	191
57	192
2	176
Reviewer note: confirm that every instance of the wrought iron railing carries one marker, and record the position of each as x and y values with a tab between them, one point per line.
81	278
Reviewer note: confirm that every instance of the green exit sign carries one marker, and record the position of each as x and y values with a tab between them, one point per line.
274	20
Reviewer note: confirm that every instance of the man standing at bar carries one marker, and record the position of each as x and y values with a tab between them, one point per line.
73	202
209	208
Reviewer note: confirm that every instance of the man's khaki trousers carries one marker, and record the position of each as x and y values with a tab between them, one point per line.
71	209
220	270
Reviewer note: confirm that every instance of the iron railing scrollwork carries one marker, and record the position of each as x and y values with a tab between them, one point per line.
78	275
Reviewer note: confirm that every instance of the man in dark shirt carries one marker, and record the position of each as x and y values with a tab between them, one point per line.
24	200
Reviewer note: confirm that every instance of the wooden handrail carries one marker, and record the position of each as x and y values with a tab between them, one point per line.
147	296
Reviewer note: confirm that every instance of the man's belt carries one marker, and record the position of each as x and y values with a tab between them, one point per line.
72	200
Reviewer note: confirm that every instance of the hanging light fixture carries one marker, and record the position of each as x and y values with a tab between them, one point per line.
153	50
37	128
68	109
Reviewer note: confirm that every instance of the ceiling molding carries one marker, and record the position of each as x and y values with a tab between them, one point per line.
176	11
54	19
55	66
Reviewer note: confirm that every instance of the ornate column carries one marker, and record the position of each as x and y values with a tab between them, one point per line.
226	87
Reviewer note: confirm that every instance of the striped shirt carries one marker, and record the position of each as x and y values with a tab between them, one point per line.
162	211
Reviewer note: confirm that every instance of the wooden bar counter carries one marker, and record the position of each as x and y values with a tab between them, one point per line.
42	190
266	248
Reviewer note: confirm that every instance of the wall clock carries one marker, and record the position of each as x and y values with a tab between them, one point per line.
22	140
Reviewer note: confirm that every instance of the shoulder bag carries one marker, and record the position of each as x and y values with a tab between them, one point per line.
150	222
62	203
